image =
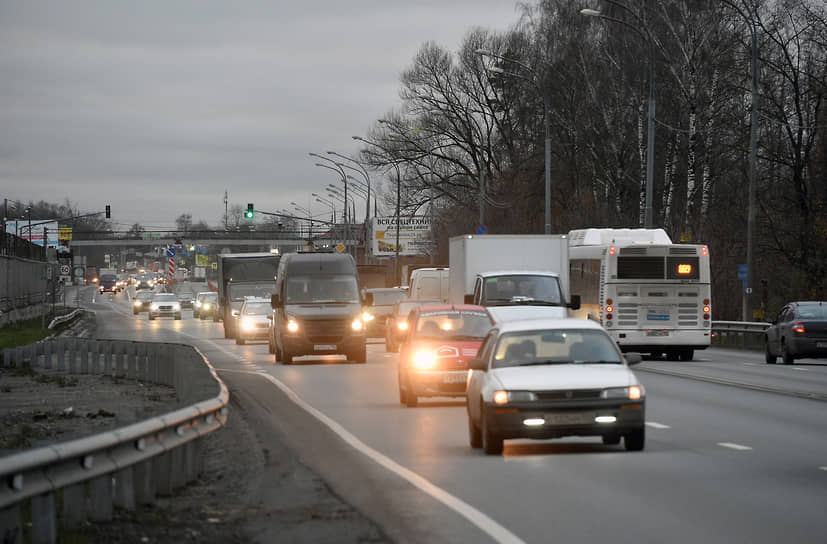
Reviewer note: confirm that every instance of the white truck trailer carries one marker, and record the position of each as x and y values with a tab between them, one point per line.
511	270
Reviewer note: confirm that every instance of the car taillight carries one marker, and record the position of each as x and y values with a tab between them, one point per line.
609	309
799	327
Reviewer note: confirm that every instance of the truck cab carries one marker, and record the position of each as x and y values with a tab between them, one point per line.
521	294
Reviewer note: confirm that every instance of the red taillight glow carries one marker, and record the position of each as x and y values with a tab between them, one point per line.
612	250
610	309
799	328
707	309
704	251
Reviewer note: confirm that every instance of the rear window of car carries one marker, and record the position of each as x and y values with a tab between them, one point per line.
813	312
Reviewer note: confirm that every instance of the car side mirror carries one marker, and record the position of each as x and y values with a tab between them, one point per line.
275	301
468	299
632	358
368	299
477	363
575	302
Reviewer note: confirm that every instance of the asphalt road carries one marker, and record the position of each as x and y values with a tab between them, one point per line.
736	449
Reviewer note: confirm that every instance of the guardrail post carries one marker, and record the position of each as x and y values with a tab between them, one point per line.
132	360
100	498
83	346
11	525
44	519
107	359
61	354
18	357
178	474
73	356
7	357
125	489
162	468
144	488
74	506
191	459
47	354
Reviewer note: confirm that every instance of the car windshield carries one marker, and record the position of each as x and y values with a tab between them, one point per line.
453	325
207	296
164	297
317	289
812	311
238	291
145	295
257	308
525	289
387	298
558	346
184	296
405	307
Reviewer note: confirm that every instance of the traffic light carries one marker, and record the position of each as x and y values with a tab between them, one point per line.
108	212
250	212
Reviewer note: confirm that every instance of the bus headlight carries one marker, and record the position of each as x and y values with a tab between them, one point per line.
292	326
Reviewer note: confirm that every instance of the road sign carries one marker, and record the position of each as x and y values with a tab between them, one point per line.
65	270
482	229
340	248
742	271
170	252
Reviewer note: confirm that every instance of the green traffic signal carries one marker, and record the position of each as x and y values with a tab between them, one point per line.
250	212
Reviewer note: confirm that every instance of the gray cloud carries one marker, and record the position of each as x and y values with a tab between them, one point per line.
158	107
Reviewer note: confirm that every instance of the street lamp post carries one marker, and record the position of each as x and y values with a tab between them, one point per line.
650	121
339	170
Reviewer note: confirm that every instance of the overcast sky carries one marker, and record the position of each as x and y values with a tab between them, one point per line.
157	107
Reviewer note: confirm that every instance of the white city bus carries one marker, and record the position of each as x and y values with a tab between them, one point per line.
651	295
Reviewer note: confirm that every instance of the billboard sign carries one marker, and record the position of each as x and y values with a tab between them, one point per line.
35	233
414	235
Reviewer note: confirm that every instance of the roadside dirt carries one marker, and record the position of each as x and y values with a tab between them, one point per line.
38	408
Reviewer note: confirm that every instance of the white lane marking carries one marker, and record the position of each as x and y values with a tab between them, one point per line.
800	369
482	521
656	425
749	364
732	446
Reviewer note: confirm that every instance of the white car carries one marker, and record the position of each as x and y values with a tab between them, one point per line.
165	305
253	320
549	378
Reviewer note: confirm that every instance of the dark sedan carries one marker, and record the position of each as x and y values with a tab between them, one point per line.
383	299
799	331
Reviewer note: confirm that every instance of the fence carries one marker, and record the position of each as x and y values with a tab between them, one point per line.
65	484
15	246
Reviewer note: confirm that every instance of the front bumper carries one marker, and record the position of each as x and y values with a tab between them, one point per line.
569	419
299	345
162	312
438	383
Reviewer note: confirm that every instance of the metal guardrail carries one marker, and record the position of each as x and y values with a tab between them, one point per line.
64	318
87	477
739	334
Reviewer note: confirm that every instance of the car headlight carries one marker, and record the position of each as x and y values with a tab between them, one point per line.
292	326
248	324
154	307
504	397
357	325
424	360
402	325
206	305
367	316
138	303
176	307
197	304
634	392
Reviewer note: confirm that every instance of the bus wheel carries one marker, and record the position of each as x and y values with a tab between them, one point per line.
687	355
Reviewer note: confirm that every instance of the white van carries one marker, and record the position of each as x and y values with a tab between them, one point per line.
429	283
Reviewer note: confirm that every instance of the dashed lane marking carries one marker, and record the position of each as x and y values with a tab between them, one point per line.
656	425
732	446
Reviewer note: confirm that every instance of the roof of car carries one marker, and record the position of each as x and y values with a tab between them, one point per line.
549	323
256	300
491	273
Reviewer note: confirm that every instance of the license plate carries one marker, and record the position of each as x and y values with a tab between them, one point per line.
657	333
323	347
572	418
454	378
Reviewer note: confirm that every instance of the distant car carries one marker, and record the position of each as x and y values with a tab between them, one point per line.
205	304
433	360
396	324
144	281
549	378
108	283
141	301
253	320
165	305
375	314
799	331
186	300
